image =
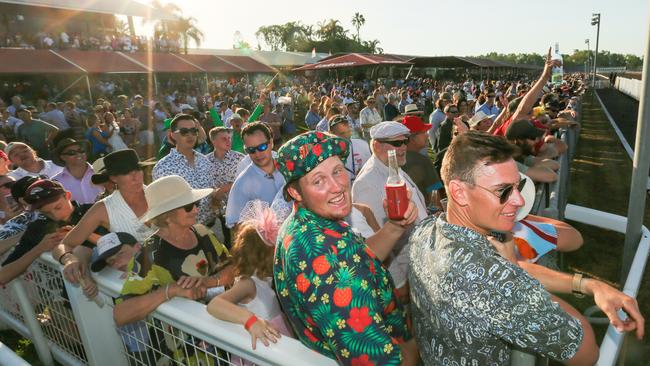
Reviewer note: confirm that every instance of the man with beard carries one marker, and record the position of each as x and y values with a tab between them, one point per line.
523	134
336	294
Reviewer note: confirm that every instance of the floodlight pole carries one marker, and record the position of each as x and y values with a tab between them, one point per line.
588	62
595	20
640	166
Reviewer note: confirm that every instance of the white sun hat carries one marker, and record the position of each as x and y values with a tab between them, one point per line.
169	193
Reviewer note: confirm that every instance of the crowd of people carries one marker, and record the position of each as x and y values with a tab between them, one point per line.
114	41
267	203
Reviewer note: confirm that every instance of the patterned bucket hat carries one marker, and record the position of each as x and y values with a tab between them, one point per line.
303	153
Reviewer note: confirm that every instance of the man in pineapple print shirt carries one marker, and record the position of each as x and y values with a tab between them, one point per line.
338	297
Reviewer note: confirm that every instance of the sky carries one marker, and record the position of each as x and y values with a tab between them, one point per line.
438	27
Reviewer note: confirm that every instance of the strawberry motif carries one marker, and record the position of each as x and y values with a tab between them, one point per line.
334	250
362	360
302	283
372	267
342	297
286	241
310	336
320	265
310	321
332	233
391	306
317	149
290	165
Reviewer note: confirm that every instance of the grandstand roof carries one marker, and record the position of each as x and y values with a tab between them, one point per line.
353	60
123	7
272	58
20	61
102	62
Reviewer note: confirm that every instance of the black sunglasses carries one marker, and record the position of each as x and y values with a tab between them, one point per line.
491	96
186	131
190	206
260	148
504	194
397	143
73	152
452	111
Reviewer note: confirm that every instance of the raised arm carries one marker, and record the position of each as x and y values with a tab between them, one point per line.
529	99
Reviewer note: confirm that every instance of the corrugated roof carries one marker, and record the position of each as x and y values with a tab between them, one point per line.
163	62
99	62
353	60
247	64
20	61
271	58
211	63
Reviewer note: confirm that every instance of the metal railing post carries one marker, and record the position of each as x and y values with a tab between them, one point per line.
26	308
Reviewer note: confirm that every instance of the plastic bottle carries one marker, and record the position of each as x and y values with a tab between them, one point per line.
557	73
396	193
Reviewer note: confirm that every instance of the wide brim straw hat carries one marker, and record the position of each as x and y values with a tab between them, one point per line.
169	193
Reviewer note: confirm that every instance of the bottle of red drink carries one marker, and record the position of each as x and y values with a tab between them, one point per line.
396	193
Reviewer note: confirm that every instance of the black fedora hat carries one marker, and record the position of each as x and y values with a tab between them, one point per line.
119	163
63	144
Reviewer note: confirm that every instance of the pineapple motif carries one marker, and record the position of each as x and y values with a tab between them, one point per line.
343	292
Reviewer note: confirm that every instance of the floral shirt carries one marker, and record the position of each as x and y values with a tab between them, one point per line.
198	176
471	306
336	294
224	170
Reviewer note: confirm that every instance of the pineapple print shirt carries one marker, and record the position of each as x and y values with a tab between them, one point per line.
338	297
471	306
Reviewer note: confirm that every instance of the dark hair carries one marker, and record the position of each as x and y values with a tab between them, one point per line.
250	255
252	127
180	117
91	120
470	150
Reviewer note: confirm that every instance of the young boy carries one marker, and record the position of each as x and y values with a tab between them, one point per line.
59	214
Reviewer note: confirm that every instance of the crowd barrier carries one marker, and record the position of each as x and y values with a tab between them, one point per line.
9	358
64	325
629	87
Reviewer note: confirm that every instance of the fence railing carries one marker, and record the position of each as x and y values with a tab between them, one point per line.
630	87
179	332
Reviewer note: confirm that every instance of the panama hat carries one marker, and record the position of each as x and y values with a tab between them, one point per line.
169	193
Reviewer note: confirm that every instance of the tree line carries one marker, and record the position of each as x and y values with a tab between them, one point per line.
576	60
325	36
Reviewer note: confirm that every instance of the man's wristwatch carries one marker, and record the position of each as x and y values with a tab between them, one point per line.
576	285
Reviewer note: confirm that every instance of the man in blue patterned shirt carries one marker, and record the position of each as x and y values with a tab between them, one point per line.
472	302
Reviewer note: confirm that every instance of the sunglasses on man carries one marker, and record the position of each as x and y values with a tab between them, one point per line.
260	148
503	194
397	143
73	152
186	131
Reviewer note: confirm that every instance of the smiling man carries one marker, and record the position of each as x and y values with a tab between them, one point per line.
338	297
472	301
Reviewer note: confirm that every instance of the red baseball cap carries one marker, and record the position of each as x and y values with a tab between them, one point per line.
415	124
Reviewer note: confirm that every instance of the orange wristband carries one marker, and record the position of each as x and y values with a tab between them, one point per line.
249	323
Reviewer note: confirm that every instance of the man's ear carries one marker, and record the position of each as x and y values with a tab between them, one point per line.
68	195
457	191
293	192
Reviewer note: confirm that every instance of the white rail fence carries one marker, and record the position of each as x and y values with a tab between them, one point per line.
629	87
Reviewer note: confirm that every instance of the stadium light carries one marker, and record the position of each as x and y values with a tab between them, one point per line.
595	20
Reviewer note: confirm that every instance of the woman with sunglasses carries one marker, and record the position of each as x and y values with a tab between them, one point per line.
185	258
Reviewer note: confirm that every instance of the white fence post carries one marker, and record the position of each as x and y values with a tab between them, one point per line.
102	343
34	327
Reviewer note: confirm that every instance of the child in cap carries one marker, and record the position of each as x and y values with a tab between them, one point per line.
59	213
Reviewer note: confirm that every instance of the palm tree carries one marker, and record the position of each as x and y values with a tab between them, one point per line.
182	27
186	29
358	21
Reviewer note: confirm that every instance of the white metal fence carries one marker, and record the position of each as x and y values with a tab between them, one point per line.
630	87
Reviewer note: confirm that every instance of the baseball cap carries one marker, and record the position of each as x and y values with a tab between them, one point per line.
387	130
43	192
523	129
107	246
415	124
336	119
185	106
478	117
